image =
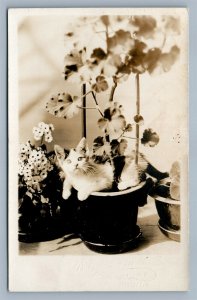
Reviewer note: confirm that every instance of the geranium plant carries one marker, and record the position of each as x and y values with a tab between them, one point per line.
125	46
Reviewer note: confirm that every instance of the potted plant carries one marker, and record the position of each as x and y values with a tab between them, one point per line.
43	215
167	199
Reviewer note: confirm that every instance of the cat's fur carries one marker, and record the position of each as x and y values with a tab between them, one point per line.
132	174
82	173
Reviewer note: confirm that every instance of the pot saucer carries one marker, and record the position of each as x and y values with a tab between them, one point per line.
114	248
169	232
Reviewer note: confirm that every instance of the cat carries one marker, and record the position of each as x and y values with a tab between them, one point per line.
132	174
82	173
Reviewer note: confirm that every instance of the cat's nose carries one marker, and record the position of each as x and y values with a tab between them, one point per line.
76	166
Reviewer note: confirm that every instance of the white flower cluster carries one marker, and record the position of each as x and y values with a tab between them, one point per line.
33	164
43	130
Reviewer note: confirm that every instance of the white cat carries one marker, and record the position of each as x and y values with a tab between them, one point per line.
82	173
131	174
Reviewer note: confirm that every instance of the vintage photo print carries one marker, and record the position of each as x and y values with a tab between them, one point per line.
98	149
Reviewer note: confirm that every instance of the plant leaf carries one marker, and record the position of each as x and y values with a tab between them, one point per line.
73	62
171	24
146	26
64	106
120	42
102	123
150	138
101	84
175	191
113	122
164	61
105	20
122	78
128	128
175	170
136	56
168	59
139	119
118	148
113	126
101	148
151	59
115	109
97	55
112	64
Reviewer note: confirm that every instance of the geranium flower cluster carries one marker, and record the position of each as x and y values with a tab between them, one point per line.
34	165
43	130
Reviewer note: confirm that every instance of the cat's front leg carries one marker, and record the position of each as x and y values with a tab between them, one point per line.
66	189
83	195
123	185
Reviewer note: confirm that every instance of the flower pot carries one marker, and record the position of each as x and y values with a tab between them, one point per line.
107	221
169	213
36	225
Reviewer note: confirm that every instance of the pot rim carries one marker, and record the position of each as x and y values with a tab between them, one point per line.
127	191
167	200
169	231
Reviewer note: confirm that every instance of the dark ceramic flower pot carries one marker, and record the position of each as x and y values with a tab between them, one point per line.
169	213
107	221
37	225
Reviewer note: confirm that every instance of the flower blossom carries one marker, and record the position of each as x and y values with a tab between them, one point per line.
34	165
43	130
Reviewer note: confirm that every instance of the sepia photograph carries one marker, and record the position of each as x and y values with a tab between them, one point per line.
98	149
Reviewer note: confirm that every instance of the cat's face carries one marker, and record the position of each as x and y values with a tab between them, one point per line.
76	161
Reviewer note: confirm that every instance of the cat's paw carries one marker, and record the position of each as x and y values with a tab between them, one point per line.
134	182
82	196
123	185
66	194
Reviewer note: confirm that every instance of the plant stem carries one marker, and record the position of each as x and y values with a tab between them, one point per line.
107	138
41	142
121	135
84	95
97	106
164	41
111	97
137	81
83	91
128	137
85	107
107	39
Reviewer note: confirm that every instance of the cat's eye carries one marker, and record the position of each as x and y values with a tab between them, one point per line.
68	161
80	158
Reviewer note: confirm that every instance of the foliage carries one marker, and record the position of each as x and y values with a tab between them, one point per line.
119	47
175	181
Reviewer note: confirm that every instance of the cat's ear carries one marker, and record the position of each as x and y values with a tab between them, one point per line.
60	153
82	147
